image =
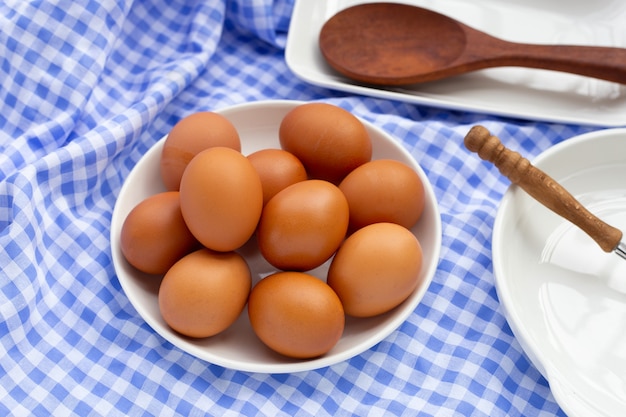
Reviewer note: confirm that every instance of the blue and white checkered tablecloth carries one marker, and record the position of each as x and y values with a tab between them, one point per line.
86	88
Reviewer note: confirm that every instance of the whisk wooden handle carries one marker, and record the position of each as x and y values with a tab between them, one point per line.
541	186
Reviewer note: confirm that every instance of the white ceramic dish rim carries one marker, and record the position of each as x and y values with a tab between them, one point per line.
396	317
567	390
512	92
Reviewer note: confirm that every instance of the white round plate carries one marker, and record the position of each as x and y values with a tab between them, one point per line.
564	298
237	347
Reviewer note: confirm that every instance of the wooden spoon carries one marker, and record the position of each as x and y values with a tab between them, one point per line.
397	44
543	188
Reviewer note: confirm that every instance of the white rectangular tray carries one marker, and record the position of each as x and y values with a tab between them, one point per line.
515	92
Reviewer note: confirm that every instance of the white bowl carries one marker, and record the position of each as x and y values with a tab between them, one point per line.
238	347
564	298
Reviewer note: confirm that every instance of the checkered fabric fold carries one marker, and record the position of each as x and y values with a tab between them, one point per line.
86	88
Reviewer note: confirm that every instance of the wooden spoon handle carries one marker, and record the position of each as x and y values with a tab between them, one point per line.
541	187
605	63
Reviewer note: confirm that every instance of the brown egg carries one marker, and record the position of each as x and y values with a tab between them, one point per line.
376	269
154	235
277	169
221	198
204	292
329	140
296	314
303	225
192	134
383	191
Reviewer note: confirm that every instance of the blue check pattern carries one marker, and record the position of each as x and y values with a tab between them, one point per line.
86	88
